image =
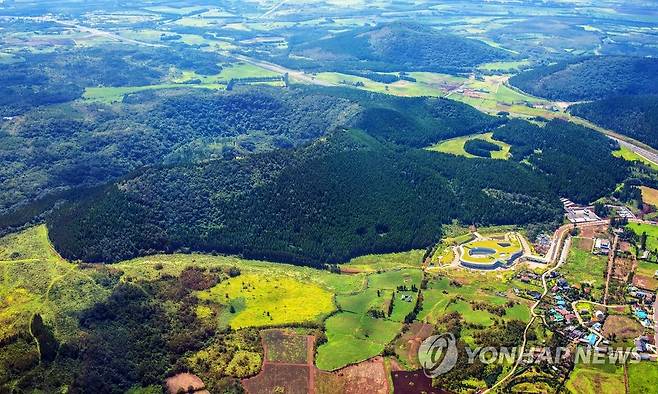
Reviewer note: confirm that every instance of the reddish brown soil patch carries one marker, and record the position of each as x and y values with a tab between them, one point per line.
185	381
624	246
279	378
584	244
644	282
367	377
622	327
594	232
413	382
622	268
350	270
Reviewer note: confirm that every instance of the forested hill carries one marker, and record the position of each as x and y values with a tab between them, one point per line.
576	160
634	116
591	78
340	197
395	47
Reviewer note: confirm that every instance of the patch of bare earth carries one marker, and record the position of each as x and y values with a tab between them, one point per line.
186	382
367	377
621	327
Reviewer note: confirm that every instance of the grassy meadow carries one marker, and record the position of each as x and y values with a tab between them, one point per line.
455	146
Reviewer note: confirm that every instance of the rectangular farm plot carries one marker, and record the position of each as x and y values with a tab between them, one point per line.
252	300
285	347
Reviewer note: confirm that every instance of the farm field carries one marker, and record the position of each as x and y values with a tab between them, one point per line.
645	274
380	262
582	266
258	300
649	195
474	296
455	146
596	379
651	230
185	80
642	377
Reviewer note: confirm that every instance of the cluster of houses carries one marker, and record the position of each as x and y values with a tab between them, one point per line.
542	244
642	305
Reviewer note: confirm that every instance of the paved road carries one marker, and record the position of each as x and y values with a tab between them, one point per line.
647	154
294	74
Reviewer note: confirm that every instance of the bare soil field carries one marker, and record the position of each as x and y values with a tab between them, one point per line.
622	327
405	382
594	232
367	377
279	378
183	381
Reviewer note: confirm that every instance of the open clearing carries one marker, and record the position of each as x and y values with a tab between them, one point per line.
269	300
455	146
649	195
582	266
651	230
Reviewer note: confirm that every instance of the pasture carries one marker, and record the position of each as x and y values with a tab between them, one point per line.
651	230
455	146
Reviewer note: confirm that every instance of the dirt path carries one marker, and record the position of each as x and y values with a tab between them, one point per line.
611	264
310	352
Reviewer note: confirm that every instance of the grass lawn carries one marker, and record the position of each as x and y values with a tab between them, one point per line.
597	379
380	262
651	230
583	266
642	377
455	146
261	300
629	155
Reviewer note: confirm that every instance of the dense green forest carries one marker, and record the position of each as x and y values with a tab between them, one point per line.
591	78
480	148
61	75
634	116
81	145
335	199
53	151
576	160
390	47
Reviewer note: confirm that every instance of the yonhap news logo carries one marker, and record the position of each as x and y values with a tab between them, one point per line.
438	354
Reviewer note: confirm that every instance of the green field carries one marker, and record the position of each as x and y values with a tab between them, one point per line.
629	155
354	334
597	379
34	279
651	230
463	290
380	262
642	377
352	338
455	146
582	266
504	66
180	80
260	300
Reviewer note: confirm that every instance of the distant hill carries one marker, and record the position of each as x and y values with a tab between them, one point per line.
591	78
338	198
396	47
634	116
